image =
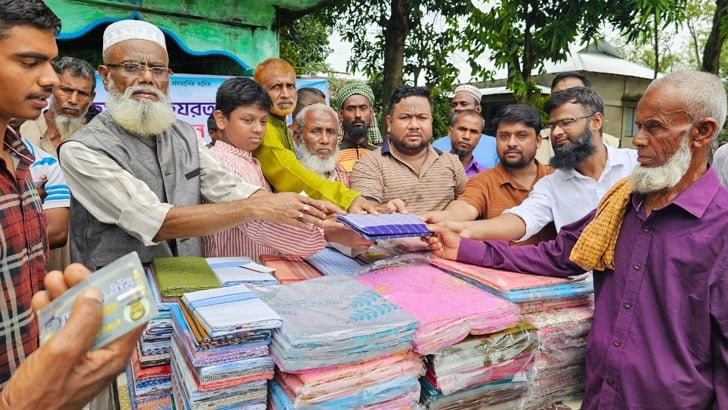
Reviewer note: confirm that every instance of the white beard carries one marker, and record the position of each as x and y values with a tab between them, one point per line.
67	125
667	175
315	164
141	117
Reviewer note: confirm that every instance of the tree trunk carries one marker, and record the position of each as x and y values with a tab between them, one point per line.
711	53
395	33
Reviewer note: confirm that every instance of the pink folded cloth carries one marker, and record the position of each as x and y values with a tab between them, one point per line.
501	280
290	269
316	386
447	308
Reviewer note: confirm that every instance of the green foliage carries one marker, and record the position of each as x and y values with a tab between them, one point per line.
523	35
305	43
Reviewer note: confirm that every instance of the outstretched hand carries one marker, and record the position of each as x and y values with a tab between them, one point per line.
340	233
63	373
294	209
362	205
444	243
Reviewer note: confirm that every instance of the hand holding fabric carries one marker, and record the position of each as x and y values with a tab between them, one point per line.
445	243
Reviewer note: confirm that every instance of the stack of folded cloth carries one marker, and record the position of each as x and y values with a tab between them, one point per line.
559	368
472	339
242	270
331	262
341	346
289	269
149	376
447	308
482	371
220	354
532	293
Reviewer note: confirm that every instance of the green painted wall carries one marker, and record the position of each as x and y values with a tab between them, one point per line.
242	30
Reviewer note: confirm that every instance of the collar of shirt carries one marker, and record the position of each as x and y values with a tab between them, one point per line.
221	145
696	198
386	150
473	168
613	160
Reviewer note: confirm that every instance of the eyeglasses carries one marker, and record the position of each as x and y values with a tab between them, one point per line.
567	122
134	69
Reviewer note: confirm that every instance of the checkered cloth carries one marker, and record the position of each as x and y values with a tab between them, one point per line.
596	246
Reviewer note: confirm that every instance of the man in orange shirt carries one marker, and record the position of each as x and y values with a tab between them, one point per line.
492	191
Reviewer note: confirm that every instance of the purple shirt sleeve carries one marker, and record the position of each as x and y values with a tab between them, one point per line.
659	338
546	258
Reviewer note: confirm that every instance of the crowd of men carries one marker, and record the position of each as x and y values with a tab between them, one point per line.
649	222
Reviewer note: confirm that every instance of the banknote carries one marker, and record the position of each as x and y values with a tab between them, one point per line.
127	299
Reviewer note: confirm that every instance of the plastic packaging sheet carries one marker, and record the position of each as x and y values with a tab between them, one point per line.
230	310
382	396
447	308
482	359
334	320
505	394
559	368
315	386
518	287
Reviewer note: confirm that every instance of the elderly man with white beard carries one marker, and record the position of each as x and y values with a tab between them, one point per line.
71	99
138	175
316	138
657	244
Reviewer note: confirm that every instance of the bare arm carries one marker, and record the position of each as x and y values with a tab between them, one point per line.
206	219
57	230
507	227
454	211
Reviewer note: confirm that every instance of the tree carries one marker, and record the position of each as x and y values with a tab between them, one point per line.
716	39
304	43
523	35
643	21
399	41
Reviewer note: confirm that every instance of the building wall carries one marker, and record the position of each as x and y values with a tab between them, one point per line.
243	30
620	95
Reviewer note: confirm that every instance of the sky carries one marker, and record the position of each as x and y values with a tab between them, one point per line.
342	51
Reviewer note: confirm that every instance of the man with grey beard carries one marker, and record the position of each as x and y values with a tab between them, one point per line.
585	170
71	99
315	135
657	244
138	175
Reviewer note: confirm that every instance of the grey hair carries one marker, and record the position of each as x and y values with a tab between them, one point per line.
313	107
702	94
77	68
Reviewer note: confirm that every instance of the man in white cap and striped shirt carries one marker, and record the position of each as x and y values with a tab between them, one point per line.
139	176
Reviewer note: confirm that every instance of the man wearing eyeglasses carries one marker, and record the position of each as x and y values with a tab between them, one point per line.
585	170
138	175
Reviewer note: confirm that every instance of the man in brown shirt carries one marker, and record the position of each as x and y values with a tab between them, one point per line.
406	166
490	192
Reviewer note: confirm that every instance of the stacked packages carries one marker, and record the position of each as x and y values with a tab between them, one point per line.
220	355
341	346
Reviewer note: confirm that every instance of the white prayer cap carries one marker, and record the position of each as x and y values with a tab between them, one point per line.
132	30
469	90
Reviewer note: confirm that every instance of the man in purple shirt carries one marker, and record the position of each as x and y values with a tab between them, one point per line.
660	333
464	133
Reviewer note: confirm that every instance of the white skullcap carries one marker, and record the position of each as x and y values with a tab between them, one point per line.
469	90
132	30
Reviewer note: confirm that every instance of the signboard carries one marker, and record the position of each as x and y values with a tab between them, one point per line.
193	96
